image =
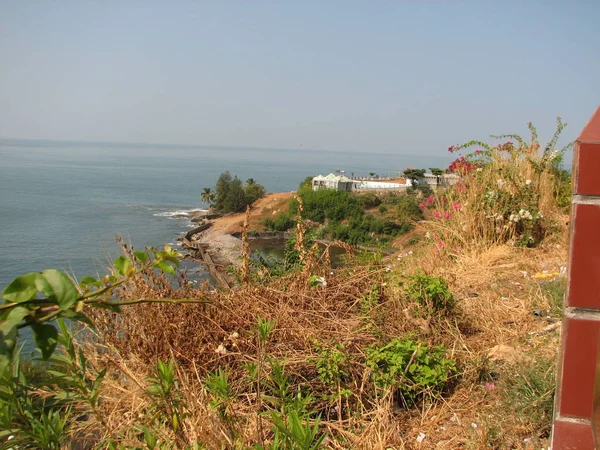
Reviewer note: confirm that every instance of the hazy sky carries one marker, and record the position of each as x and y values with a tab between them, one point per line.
385	76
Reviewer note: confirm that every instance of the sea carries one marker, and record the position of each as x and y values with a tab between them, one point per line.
63	203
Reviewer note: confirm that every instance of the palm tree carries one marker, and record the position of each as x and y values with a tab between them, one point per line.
207	196
250	182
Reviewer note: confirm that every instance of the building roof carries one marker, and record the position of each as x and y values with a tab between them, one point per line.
333	177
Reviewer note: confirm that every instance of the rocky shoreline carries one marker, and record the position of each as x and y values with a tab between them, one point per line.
216	241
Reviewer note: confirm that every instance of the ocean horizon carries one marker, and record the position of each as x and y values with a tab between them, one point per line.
63	202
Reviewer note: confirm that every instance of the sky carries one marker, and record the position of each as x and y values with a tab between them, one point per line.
393	76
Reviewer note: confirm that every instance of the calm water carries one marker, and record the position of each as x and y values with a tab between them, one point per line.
61	204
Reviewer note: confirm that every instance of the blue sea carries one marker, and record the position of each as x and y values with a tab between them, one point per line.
63	203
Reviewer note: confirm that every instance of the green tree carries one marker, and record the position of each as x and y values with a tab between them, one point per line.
207	196
222	190
253	190
235	199
414	175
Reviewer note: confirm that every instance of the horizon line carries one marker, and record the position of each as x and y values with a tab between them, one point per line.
72	142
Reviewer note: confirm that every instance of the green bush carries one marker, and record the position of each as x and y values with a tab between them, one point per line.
327	204
383	209
408	208
369	200
411	367
281	222
431	292
367	230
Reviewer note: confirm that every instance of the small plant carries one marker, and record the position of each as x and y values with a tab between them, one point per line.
411	367
430	292
530	394
167	400
295	433
370	300
383	209
332	365
217	384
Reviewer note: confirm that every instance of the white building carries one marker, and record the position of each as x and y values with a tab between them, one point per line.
331	181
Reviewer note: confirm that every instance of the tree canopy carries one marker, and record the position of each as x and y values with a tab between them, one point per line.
231	195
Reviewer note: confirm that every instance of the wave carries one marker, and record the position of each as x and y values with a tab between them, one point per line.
179	213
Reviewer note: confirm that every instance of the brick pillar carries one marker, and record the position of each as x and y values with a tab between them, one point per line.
581	324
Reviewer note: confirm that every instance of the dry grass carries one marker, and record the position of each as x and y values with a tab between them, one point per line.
504	355
500	313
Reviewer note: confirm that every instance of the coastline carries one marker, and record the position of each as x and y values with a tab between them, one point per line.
214	243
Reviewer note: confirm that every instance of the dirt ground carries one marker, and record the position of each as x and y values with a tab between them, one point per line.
267	206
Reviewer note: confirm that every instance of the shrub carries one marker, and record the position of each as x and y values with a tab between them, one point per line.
431	292
327	204
281	222
408	208
411	367
367	230
369	200
507	192
382	209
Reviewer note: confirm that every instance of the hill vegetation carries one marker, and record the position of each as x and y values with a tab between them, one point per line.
231	195
444	345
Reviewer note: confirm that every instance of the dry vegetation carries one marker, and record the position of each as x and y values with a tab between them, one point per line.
301	343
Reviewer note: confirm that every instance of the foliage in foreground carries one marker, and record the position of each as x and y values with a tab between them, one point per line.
316	358
510	191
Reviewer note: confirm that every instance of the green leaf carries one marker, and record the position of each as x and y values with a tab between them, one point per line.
9	335
21	289
46	338
12	318
166	268
59	287
90	281
141	256
122	264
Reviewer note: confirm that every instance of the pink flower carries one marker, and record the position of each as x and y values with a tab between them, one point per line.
451	148
489	386
447	215
423	206
430	200
440	244
478	152
457	206
437	215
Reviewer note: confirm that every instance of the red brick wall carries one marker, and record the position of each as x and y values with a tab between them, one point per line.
573	421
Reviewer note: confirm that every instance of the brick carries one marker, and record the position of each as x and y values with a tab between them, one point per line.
584	271
572	436
576	390
591	131
587	162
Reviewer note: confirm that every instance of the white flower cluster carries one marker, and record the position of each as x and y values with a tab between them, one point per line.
491	196
523	214
501	183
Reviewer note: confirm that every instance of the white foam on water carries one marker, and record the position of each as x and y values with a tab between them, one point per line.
181	212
